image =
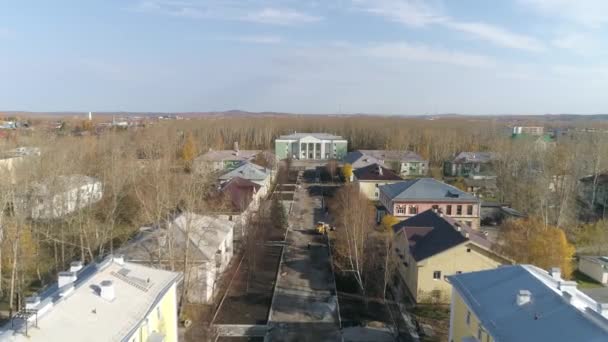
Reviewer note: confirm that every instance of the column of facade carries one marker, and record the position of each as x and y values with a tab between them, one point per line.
314	151
322	149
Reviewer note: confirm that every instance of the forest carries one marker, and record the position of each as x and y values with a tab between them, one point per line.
147	174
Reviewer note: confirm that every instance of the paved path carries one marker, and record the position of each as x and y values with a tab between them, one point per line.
304	307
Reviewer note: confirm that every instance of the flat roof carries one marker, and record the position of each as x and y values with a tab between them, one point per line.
321	136
83	315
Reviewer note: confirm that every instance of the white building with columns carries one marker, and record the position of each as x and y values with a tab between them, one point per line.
311	146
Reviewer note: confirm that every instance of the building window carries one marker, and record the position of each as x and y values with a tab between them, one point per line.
405	264
469	209
435	207
480	332
458	272
413	210
468	250
437	275
468	317
448	209
459	210
400	210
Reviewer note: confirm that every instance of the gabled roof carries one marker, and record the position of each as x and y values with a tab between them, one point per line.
222	155
394	155
358	160
206	233
602	178
375	172
240	192
426	189
474	157
321	136
428	234
248	171
549	316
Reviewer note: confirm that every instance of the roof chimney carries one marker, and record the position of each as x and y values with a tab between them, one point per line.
602	309
119	259
65	278
107	290
75	266
466	235
566	285
523	297
32	302
380	170
555	273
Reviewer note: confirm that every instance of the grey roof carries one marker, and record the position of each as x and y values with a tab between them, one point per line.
222	155
426	189
363	158
491	295
248	171
394	155
206	233
358	160
474	157
322	136
429	233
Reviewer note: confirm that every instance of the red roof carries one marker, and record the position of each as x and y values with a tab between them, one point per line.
240	192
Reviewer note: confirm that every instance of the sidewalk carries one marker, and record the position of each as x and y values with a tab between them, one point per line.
304	307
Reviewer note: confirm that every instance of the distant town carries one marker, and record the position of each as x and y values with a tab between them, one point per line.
237	226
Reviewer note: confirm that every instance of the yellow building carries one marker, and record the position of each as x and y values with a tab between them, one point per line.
371	177
523	303
429	247
110	301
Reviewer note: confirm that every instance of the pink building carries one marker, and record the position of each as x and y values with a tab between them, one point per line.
409	198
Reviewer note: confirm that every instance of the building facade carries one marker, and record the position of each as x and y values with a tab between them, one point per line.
523	303
469	164
430	246
61	196
310	146
595	267
207	242
409	198
370	178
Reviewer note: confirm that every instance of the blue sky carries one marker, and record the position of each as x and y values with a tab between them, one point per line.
318	56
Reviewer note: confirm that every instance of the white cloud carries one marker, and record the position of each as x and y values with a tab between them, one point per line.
415	13
424	53
256	39
277	16
588	13
418	13
497	35
250	11
583	44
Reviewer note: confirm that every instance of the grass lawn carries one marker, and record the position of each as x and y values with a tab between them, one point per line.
584	282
